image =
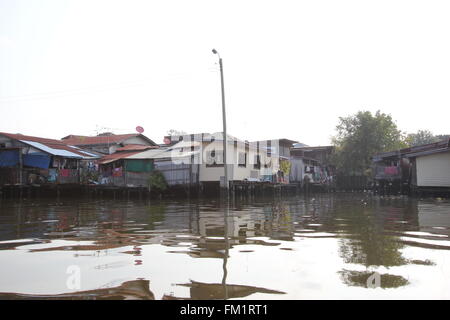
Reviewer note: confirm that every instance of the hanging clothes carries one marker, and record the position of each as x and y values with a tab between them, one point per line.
64	173
52	175
117	172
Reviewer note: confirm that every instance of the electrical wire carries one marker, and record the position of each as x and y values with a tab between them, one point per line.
92	90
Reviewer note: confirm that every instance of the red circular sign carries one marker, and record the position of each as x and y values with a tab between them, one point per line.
139	129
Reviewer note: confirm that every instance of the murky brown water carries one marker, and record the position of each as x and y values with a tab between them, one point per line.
321	247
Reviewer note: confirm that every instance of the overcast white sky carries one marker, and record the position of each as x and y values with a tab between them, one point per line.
291	67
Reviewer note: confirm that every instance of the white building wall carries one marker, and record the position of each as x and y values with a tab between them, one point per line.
235	172
433	170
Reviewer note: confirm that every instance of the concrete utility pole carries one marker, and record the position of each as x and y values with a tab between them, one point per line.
224	119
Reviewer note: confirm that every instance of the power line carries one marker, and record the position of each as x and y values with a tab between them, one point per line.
89	90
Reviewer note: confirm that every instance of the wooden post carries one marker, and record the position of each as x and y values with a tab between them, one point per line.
78	172
20	167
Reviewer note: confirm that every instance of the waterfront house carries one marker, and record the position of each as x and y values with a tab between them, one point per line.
431	166
131	166
280	155
109	143
34	160
424	167
311	163
179	163
246	161
118	170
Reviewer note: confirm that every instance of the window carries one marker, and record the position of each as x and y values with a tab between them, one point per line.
242	160
257	163
214	158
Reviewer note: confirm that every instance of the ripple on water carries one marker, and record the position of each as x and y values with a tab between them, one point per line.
180	250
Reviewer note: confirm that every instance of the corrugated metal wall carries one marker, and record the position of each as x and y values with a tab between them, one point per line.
296	172
177	174
433	170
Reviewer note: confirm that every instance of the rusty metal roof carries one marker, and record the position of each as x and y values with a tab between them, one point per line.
51	146
110	139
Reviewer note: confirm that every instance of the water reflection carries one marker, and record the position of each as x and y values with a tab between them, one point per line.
294	248
361	279
209	291
130	290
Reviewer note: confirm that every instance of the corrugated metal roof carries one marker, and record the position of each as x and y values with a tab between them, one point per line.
316	148
137	147
52	151
426	153
175	151
175	155
111	139
116	156
87	152
51	146
185	144
430	148
18	136
282	140
148	154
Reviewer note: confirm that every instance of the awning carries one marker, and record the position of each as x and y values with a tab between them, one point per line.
36	161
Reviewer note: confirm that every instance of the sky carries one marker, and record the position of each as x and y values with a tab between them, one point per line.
291	68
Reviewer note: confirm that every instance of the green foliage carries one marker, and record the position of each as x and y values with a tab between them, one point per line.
362	135
424	137
157	181
88	176
441	137
421	137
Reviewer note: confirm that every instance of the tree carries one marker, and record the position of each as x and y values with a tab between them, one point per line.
420	138
424	137
361	136
157	181
441	137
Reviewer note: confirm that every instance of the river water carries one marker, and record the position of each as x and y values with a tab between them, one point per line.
330	246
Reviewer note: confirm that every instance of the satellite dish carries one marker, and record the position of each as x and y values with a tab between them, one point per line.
139	129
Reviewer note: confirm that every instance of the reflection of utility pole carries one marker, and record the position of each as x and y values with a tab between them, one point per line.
227	244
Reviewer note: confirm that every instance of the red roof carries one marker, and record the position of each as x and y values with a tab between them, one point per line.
111	139
18	136
52	143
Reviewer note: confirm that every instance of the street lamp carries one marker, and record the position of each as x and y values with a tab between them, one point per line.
224	119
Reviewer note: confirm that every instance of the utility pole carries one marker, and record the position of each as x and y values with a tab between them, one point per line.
224	119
